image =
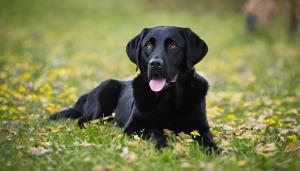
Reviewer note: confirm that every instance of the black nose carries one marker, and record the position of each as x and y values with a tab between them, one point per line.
156	62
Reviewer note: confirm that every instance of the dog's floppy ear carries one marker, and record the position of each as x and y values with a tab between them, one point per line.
133	48
196	48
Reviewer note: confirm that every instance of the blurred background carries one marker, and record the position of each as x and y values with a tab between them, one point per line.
253	44
52	51
248	40
49	47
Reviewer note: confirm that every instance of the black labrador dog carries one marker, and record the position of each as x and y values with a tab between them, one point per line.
167	94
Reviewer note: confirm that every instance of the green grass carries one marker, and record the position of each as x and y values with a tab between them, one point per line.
52	51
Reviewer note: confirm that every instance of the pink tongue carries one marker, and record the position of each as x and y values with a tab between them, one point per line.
157	85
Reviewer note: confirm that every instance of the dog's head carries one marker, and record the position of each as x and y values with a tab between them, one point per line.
164	53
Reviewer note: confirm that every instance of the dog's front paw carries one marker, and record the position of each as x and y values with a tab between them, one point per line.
55	116
159	139
161	144
211	148
81	122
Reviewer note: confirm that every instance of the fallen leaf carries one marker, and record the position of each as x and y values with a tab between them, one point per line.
180	148
182	136
38	150
45	144
57	129
94	121
230	117
284	131
296	129
148	153
87	159
168	132
185	165
268	150
100	168
135	143
128	155
292	137
85	144
292	146
241	162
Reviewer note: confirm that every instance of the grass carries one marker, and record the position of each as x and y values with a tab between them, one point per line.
52	51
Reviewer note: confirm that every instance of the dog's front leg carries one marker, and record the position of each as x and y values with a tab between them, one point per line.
207	142
155	135
136	125
158	137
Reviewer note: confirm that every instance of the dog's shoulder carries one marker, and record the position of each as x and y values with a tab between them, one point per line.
138	81
201	84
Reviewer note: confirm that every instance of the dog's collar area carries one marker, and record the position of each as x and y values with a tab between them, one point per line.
174	79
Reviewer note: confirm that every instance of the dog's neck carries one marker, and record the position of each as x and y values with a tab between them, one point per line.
141	84
147	100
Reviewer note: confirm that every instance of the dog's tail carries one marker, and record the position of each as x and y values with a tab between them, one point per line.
73	112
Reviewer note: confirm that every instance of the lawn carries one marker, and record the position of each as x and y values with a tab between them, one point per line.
53	51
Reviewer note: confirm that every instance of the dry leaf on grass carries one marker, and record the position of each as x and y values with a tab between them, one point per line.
100	168
45	144
185	139
180	148
268	150
241	162
38	150
292	146
128	155
57	129
185	165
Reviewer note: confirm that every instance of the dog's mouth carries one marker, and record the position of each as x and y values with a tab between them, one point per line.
158	82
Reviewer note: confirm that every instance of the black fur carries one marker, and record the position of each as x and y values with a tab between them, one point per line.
180	106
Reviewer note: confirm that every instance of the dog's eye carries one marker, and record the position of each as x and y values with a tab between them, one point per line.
172	45
148	45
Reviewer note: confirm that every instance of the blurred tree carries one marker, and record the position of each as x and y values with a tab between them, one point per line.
264	11
293	4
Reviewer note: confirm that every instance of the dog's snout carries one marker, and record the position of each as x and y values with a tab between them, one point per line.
156	62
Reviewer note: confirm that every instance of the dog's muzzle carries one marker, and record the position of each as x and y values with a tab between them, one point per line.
156	74
157	77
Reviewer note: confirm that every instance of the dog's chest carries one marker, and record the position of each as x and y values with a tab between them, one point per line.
172	110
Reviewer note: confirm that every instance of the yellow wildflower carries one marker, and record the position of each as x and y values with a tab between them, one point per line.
279	125
12	110
26	76
3	108
292	137
52	108
230	117
195	133
214	132
277	102
293	111
46	88
22	89
269	121
218	109
241	162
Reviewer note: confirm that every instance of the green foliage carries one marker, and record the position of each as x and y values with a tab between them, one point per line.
52	51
